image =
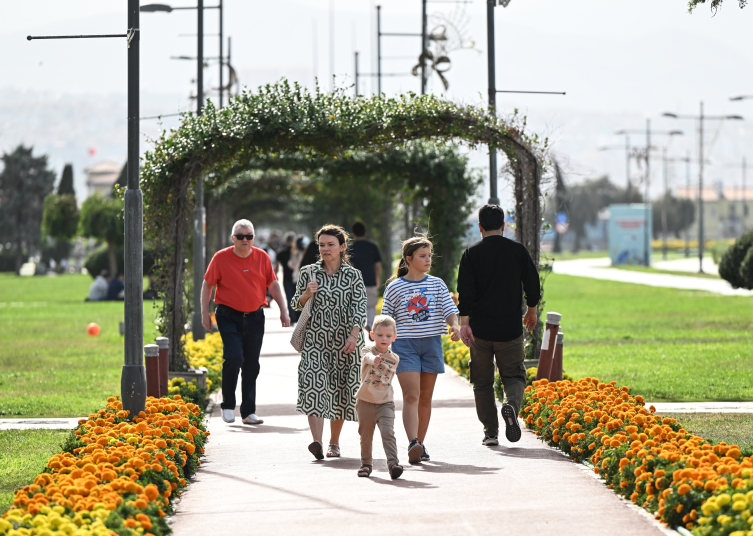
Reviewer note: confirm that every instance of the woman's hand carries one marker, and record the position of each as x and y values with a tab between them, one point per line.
311	289
350	344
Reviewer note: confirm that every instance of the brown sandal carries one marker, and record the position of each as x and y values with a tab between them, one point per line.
395	471
365	471
315	448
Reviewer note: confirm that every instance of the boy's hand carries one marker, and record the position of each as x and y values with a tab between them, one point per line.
377	360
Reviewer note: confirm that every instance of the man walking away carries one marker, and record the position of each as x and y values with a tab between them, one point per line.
489	284
242	274
287	273
365	256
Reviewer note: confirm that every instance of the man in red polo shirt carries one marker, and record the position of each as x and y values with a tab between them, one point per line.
242	274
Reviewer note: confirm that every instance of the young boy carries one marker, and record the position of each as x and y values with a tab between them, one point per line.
374	403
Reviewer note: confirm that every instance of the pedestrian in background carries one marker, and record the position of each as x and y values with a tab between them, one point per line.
287	273
242	275
492	276
365	256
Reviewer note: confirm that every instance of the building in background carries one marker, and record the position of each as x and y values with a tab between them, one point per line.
726	211
101	177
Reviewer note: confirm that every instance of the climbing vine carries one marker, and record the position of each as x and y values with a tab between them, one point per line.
283	121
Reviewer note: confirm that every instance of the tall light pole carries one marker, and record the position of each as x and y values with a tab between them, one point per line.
199	217
701	158
133	375
647	200
625	148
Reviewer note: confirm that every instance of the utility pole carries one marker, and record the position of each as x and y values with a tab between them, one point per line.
199	227
424	46
222	59
701	162
647	201
493	198
133	375
664	206
356	85
379	50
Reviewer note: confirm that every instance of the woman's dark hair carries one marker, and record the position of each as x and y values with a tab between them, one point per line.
410	246
359	229
311	255
339	233
491	217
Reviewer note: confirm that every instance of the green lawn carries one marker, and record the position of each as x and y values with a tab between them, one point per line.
49	365
23	455
666	344
732	428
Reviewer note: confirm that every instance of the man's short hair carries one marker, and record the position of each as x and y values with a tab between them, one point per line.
242	223
105	273
289	237
383	320
491	217
359	229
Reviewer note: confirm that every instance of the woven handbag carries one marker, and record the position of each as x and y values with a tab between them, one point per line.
299	333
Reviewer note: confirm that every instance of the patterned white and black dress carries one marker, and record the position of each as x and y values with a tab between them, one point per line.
328	378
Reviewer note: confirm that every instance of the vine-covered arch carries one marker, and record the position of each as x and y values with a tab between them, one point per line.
286	125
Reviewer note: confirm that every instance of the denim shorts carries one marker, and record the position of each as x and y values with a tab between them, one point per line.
420	355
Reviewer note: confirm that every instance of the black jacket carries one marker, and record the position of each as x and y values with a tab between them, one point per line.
492	276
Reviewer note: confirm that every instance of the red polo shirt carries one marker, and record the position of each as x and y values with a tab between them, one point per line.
241	283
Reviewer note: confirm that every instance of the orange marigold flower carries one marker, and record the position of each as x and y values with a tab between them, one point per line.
683	489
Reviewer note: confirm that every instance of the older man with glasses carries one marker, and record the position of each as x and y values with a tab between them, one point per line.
242	274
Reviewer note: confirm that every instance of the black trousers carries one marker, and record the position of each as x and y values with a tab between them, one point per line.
242	336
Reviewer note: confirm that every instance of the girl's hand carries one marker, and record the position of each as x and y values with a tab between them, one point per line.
454	333
311	289
350	344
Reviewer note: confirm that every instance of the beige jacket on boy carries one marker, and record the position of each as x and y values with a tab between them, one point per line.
376	381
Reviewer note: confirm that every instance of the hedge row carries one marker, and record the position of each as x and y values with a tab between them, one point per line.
682	478
114	475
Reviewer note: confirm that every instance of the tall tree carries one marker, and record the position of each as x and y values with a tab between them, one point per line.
680	215
66	181
60	220
102	218
24	183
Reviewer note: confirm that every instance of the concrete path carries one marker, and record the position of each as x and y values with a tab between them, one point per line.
689	265
600	269
49	424
262	479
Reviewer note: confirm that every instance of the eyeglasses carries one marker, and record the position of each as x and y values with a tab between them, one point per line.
244	236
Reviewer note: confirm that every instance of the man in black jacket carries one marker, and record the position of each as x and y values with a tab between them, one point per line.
492	277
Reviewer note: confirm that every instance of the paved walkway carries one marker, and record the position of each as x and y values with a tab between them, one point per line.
600	269
49	423
262	479
689	264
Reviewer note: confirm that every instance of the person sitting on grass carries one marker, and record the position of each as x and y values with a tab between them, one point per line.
98	288
116	288
374	403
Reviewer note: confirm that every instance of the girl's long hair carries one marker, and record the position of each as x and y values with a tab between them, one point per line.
410	246
339	233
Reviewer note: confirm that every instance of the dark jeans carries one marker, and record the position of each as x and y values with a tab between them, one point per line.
289	287
509	357
241	340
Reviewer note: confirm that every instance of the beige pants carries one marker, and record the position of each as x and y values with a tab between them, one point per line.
382	415
372	298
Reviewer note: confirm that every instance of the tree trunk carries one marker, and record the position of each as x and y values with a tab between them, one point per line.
114	271
385	241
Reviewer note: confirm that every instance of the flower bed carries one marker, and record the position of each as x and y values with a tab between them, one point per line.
206	352
683	479
114	475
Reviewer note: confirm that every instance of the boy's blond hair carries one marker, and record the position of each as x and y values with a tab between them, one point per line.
383	320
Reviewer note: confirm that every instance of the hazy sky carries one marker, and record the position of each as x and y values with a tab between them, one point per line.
620	61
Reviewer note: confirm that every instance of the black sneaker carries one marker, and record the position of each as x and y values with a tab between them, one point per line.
425	455
415	449
512	428
490	441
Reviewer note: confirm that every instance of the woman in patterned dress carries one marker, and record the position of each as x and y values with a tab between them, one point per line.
330	368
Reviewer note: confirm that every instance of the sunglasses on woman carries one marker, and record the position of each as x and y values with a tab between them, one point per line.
244	236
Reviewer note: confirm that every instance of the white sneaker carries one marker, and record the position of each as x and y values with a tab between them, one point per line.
228	415
252	419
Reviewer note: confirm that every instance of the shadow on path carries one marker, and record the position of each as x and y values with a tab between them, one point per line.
264	429
380	466
298	494
533	454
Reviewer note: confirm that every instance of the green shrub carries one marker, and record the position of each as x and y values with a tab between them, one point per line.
730	267
746	269
98	260
717	251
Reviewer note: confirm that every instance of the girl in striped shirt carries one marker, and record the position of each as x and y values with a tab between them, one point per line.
422	308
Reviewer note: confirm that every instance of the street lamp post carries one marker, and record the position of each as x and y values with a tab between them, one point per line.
647	199
133	375
199	218
701	158
626	148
